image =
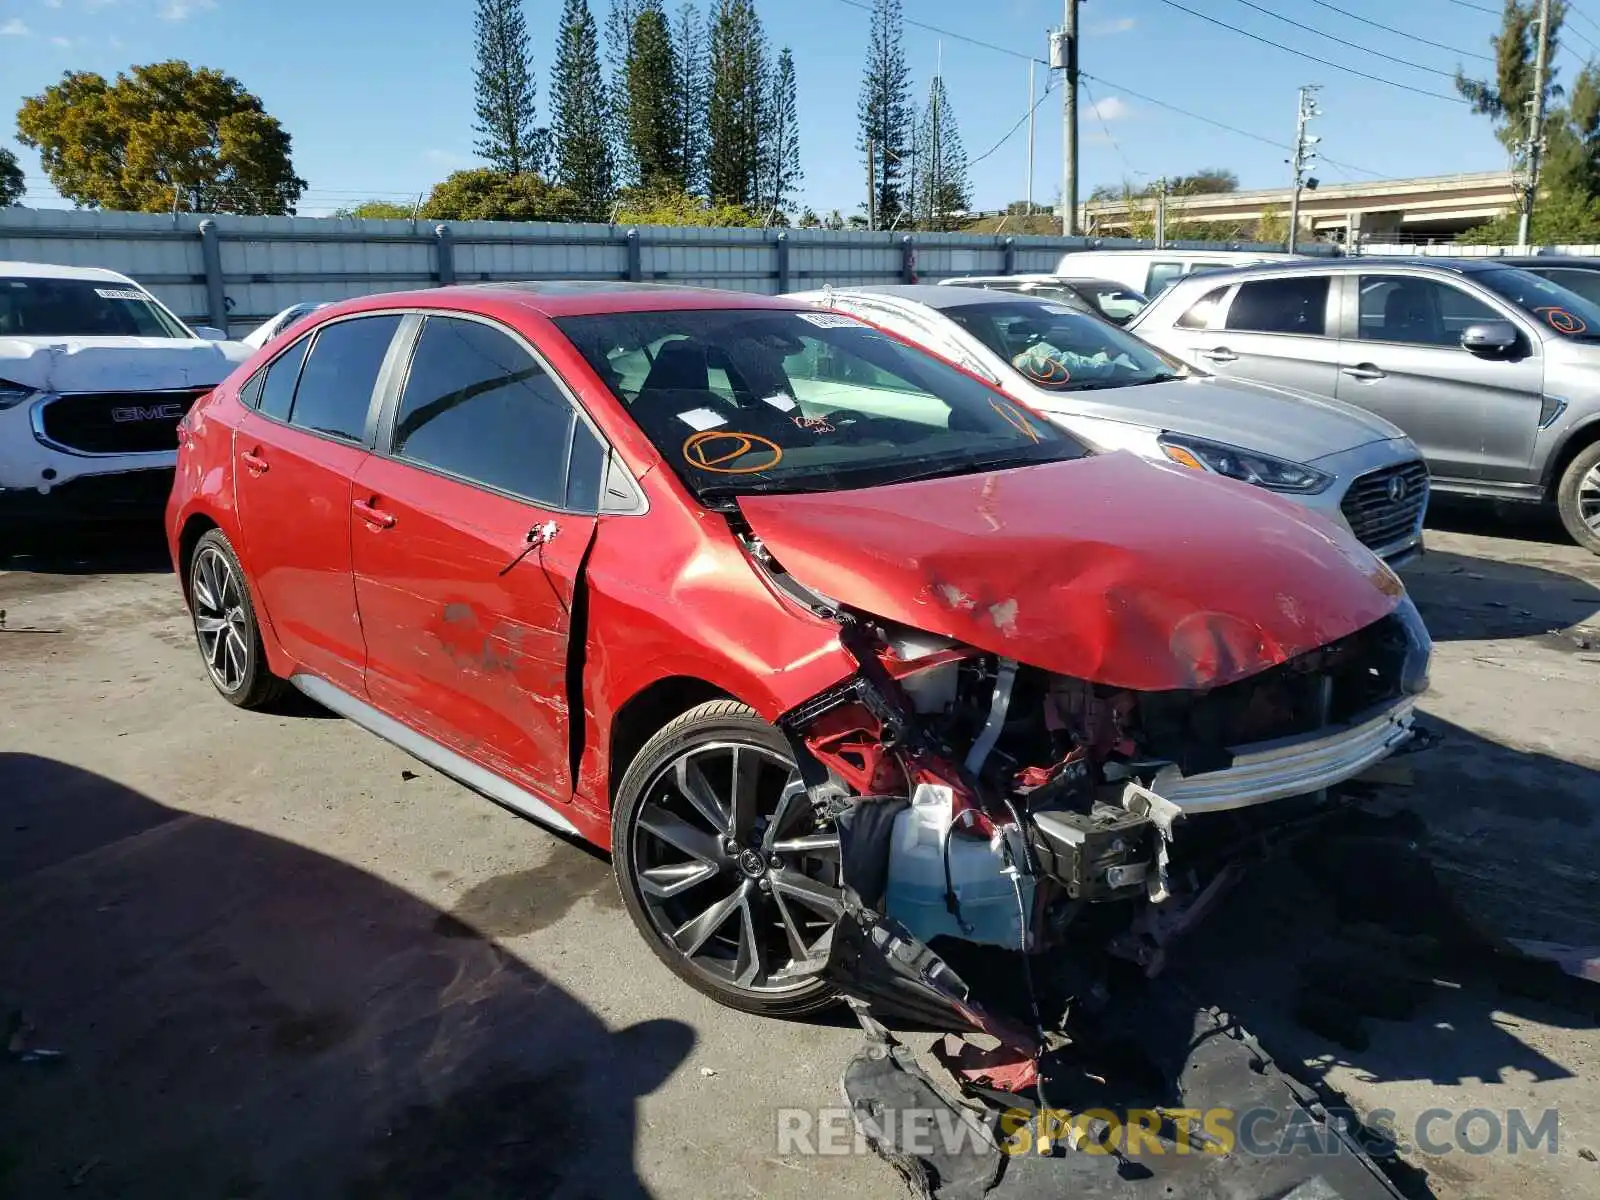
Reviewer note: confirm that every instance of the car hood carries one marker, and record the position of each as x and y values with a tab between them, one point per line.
124	364
1291	424
1109	568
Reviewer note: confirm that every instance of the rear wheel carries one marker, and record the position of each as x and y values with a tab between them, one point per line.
721	861
1578	498
225	625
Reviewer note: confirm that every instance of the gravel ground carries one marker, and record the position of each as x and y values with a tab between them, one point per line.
284	959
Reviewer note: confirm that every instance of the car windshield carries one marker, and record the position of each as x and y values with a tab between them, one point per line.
1063	349
1566	312
771	400
39	307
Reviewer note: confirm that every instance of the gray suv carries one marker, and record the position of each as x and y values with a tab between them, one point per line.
1493	371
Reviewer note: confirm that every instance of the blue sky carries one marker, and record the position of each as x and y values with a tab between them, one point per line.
378	96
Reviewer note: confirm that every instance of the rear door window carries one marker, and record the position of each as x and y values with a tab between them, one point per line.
1296	304
336	383
276	394
478	406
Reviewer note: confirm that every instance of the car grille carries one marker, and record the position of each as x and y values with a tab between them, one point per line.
1379	517
117	422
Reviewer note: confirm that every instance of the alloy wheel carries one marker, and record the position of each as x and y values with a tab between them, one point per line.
220	621
1589	499
734	870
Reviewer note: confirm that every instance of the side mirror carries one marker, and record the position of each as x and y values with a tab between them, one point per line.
211	333
1489	337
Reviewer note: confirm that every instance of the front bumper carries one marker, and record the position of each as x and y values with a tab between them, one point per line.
122	495
43	480
1295	766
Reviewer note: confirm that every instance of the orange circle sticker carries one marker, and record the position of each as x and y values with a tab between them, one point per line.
1563	321
716	449
1047	371
1015	419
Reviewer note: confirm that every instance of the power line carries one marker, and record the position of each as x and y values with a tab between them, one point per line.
1012	131
949	33
1106	129
1255	137
1255	37
1410	37
1476	7
1574	10
1404	62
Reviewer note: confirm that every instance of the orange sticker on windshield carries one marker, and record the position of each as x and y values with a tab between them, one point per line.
1562	321
1051	372
1015	419
716	450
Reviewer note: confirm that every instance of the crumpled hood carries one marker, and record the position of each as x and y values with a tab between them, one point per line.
123	364
1108	568
1291	424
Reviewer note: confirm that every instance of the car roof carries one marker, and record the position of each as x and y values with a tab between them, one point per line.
564	298
33	270
1044	277
1547	260
1180	253
1345	265
932	295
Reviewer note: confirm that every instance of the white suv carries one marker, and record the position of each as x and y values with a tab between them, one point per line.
95	374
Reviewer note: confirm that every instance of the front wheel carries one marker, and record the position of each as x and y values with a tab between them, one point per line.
722	863
1578	498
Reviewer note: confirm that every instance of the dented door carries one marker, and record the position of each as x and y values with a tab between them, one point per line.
470	652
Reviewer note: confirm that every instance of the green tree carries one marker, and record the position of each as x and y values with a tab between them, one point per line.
164	136
1273	226
655	127
503	80
484	194
12	185
1561	216
780	142
580	123
735	104
885	109
668	205
938	186
376	210
694	85
621	17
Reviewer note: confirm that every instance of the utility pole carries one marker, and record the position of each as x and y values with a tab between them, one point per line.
872	185
1305	109
1161	213
1064	57
1535	144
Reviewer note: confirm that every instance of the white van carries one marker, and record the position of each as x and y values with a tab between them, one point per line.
1152	271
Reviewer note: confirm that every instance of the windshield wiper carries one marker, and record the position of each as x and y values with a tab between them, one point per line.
997	462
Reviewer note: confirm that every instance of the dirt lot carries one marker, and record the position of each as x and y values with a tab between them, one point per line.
284	959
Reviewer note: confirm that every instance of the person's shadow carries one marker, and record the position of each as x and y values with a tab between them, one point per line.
242	1017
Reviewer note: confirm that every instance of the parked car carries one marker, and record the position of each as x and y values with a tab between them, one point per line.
1115	302
95	374
691	574
1153	271
1116	393
1488	368
273	326
1576	274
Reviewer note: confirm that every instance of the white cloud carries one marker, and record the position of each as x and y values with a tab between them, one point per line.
52	3
1112	108
61	41
182	10
15	27
1120	25
446	158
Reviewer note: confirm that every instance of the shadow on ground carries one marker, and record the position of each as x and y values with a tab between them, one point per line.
113	549
1465	598
242	1017
1378	951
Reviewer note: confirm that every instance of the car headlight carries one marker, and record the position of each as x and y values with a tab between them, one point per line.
1248	466
12	394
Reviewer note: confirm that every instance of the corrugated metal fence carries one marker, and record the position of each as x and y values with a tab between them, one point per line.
234	272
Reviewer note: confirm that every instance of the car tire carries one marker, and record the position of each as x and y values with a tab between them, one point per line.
1578	498
225	626
728	850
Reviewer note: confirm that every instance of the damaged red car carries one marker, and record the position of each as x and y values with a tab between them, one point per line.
836	649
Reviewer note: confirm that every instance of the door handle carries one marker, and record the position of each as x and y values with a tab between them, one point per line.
253	462
1220	354
373	516
1365	372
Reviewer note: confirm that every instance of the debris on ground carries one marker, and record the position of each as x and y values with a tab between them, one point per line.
19	1042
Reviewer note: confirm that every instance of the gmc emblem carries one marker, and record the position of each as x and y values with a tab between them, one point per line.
154	412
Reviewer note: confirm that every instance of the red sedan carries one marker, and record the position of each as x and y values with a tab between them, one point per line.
806	626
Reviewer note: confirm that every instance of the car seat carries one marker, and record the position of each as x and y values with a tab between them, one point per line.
1409	315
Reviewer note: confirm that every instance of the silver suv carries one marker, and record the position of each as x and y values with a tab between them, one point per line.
1493	371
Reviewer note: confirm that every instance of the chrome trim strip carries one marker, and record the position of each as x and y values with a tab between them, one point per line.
462	770
45	399
1297	766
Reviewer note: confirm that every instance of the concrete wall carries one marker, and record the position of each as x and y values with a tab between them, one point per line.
235	272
